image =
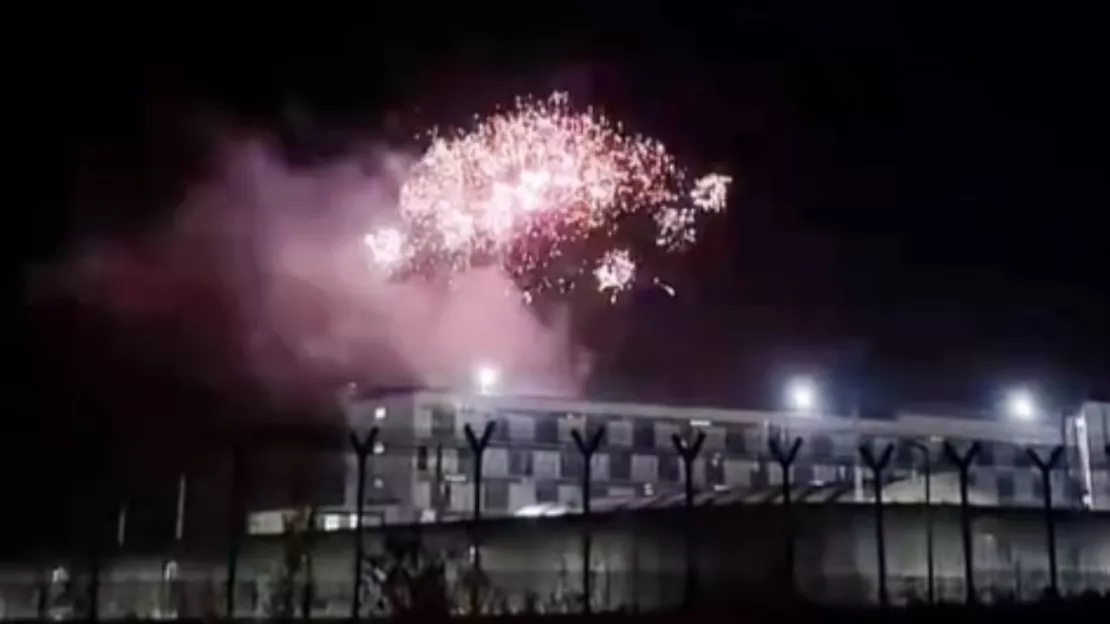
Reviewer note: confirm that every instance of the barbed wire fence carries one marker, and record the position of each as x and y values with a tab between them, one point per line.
177	572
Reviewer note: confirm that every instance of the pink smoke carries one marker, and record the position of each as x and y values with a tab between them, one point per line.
281	247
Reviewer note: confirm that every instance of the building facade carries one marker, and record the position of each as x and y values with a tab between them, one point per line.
423	469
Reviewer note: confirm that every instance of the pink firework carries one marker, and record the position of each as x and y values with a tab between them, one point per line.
543	190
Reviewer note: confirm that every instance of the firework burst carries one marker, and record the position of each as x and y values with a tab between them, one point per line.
615	272
547	192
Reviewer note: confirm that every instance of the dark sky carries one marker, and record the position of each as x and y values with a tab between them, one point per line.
919	214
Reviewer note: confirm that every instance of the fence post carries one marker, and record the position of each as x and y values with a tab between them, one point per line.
587	447
1045	467
362	447
235	526
308	595
963	466
437	483
785	459
95	557
877	466
688	452
927	468
478	446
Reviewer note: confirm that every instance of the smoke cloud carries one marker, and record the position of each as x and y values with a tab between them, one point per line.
263	269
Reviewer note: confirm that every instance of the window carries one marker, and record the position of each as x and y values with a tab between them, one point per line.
443	422
759	478
1006	487
547	429
546	464
668	469
734	440
520	463
572	464
599	467
495	462
495	495
422	458
619	433
547	492
715	470
643	435
714	438
986	454
570	495
1021	459
664	434
645	468
522	427
822	446
620	465
500	429
465	459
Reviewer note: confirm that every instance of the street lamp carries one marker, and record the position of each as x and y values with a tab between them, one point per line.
1021	404
486	378
802	395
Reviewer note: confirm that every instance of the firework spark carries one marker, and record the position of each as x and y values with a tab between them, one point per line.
542	190
615	272
710	192
386	247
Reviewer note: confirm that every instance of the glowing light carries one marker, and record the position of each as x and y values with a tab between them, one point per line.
1022	405
543	190
540	510
616	271
486	378
801	394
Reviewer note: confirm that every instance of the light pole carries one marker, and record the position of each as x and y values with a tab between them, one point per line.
927	465
1022	405
801	398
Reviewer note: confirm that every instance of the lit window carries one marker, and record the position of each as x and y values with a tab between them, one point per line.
379	413
331	522
59	575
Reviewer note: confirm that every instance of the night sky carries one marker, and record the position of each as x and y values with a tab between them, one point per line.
918	216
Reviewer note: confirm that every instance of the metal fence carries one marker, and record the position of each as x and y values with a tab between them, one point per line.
200	519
